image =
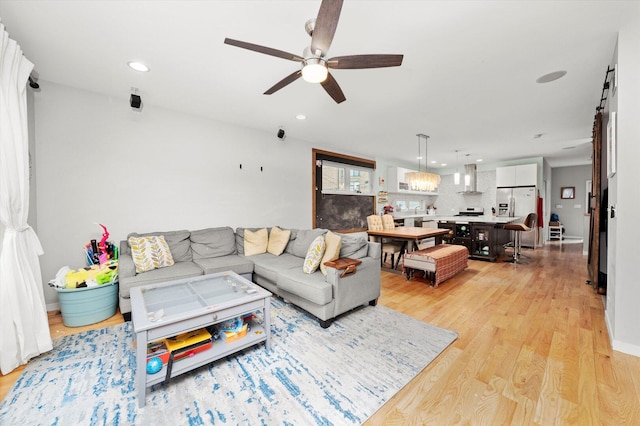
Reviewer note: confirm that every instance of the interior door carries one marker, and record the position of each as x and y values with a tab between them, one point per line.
593	259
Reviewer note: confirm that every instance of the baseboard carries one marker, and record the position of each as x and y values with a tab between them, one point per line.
626	348
53	307
619	346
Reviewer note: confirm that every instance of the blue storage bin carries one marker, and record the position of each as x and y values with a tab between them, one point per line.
88	305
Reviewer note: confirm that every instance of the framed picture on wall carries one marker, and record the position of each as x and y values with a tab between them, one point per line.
568	192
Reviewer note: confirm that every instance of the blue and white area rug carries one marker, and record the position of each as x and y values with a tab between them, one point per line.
340	375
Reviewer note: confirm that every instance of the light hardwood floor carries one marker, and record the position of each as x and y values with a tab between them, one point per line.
533	348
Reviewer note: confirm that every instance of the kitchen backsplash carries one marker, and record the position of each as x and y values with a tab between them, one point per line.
449	200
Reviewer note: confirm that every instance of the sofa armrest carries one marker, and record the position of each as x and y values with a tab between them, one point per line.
126	267
375	250
356	289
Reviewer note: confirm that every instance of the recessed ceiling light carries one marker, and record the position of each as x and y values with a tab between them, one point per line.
443	165
479	160
301	117
433	161
552	76
138	66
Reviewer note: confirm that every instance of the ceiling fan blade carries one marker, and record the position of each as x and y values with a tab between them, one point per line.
285	81
262	49
365	61
325	28
333	89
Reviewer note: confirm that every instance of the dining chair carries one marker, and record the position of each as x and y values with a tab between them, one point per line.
389	247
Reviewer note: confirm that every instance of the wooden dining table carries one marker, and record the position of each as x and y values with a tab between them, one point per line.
410	236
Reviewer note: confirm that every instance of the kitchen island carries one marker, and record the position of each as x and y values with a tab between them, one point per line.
484	236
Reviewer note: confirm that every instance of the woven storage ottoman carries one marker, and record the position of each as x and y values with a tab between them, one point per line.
88	305
441	262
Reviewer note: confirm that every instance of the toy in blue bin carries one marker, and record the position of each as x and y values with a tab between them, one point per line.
154	365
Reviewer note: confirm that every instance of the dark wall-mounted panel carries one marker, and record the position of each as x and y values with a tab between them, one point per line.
344	212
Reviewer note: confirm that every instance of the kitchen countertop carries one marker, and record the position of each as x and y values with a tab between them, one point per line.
467	219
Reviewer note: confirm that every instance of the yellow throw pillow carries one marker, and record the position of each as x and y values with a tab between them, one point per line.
333	244
150	253
278	240
255	242
314	255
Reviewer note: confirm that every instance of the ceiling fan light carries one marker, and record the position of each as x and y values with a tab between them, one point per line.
456	178
314	70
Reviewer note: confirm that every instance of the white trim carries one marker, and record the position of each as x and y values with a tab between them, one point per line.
619	346
626	348
330	192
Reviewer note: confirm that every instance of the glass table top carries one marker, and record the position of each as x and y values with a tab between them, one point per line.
195	293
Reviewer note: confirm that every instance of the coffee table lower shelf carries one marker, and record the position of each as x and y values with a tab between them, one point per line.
220	349
168	309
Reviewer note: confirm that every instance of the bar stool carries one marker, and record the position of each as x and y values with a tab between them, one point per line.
526	226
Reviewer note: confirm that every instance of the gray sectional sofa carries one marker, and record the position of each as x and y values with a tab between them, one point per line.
212	250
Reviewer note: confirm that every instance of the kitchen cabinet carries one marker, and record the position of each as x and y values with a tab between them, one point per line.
397	183
483	240
484	244
520	175
459	233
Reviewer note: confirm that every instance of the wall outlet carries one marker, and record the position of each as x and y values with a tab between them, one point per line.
577	206
558	206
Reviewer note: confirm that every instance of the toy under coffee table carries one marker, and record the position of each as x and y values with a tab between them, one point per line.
161	311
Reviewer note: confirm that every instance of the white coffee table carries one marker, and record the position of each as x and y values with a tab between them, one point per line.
168	309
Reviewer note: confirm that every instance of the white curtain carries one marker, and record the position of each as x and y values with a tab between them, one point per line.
24	327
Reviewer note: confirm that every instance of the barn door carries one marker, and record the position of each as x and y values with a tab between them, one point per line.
593	261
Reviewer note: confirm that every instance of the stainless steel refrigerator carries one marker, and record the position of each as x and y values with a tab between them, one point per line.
518	201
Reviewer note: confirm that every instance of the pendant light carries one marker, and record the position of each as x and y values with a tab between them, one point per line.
467	177
456	175
422	181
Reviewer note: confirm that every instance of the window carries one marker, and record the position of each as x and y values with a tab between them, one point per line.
338	178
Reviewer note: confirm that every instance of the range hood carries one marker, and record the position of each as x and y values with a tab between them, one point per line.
470	188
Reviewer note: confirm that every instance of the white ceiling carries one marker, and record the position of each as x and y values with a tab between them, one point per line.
468	78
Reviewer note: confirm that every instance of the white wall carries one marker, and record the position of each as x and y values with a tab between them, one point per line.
154	170
623	291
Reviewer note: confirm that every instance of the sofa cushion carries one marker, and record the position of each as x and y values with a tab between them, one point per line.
303	240
354	245
314	255
178	241
150	252
240	238
278	240
177	271
332	250
312	287
267	265
238	264
255	242
213	242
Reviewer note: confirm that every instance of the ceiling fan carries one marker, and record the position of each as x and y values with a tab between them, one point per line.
314	62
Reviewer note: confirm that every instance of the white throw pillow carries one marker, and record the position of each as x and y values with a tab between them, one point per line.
314	255
255	242
278	240
333	242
